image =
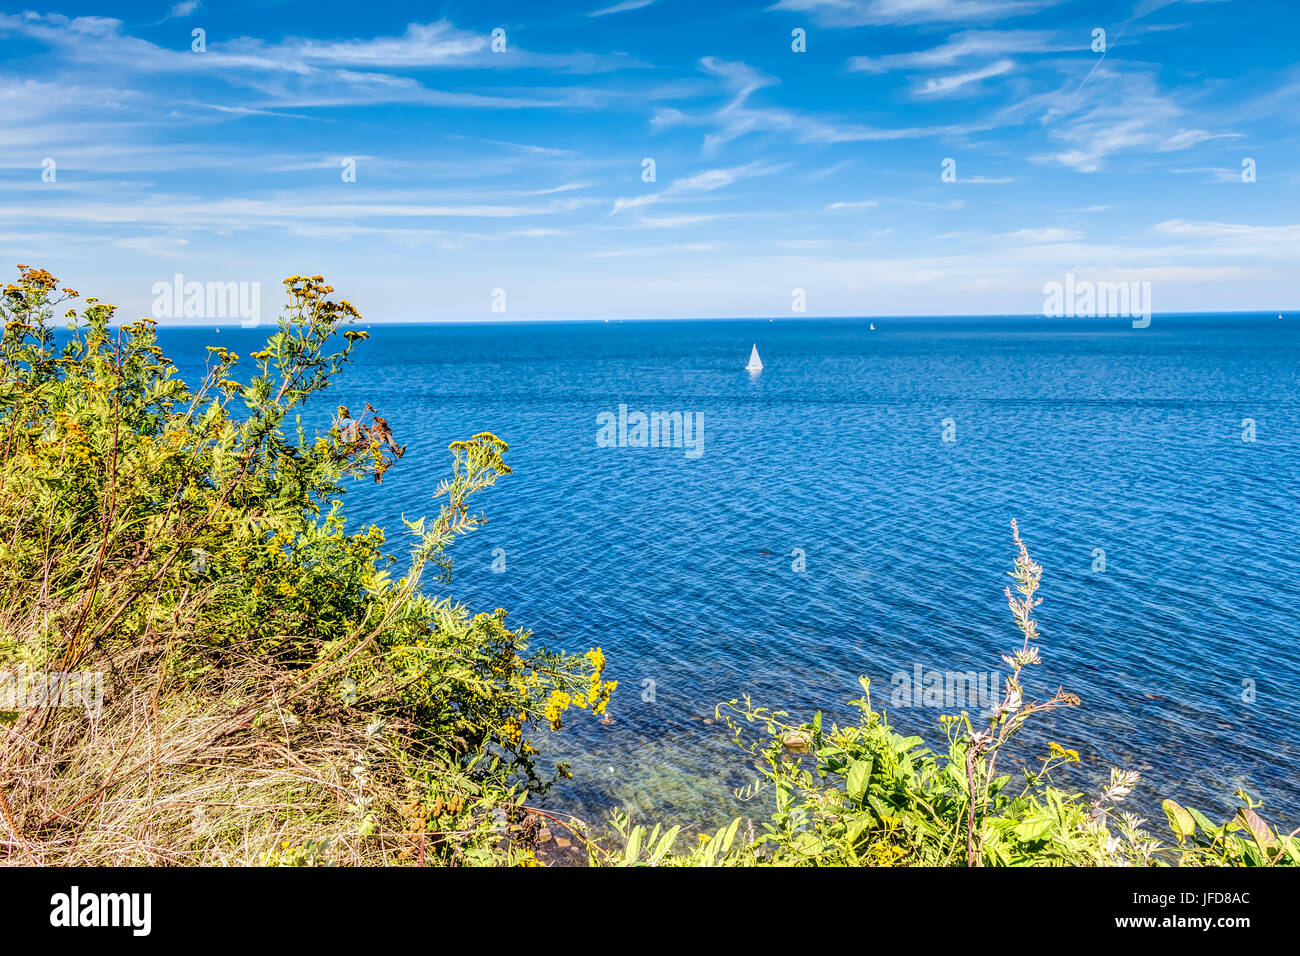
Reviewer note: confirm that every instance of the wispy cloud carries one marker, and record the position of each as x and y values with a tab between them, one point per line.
777	169
737	118
1121	110
861	13
1045	235
1220	231
624	7
687	247
696	185
953	82
966	45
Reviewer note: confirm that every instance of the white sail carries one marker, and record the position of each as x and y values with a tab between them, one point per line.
755	363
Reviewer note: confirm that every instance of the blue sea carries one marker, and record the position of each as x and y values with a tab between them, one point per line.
848	513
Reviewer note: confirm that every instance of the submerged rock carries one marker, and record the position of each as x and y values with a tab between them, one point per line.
797	741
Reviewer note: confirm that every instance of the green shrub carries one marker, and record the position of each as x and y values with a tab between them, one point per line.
276	689
864	795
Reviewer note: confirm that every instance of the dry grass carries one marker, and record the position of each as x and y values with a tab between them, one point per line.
187	775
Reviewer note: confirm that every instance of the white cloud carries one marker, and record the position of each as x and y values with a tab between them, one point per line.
966	45
1191	137
422	45
1119	110
859	13
1213	174
705	182
624	7
1046	235
1286	235
737	118
243	214
944	85
684	247
155	245
318	72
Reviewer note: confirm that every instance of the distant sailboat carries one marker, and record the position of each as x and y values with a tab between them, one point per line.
755	363
873	326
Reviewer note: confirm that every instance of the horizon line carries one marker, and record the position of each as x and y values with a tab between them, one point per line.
235	324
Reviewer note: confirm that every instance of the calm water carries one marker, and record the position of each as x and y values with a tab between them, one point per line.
1093	434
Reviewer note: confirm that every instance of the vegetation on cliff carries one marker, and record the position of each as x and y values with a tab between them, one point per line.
274	688
240	679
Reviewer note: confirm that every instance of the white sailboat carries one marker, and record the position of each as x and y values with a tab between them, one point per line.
755	363
873	326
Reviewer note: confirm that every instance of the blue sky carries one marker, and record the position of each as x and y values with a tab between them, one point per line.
521	170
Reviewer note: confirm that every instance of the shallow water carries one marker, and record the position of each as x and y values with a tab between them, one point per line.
1093	434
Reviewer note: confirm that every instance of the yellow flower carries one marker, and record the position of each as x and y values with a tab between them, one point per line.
555	707
1057	750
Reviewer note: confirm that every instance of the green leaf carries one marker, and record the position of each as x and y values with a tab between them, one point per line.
731	835
1293	850
1034	828
859	775
1260	830
666	843
856	825
1181	821
634	845
878	805
1202	821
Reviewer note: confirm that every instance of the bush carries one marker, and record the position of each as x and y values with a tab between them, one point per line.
274	688
864	795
